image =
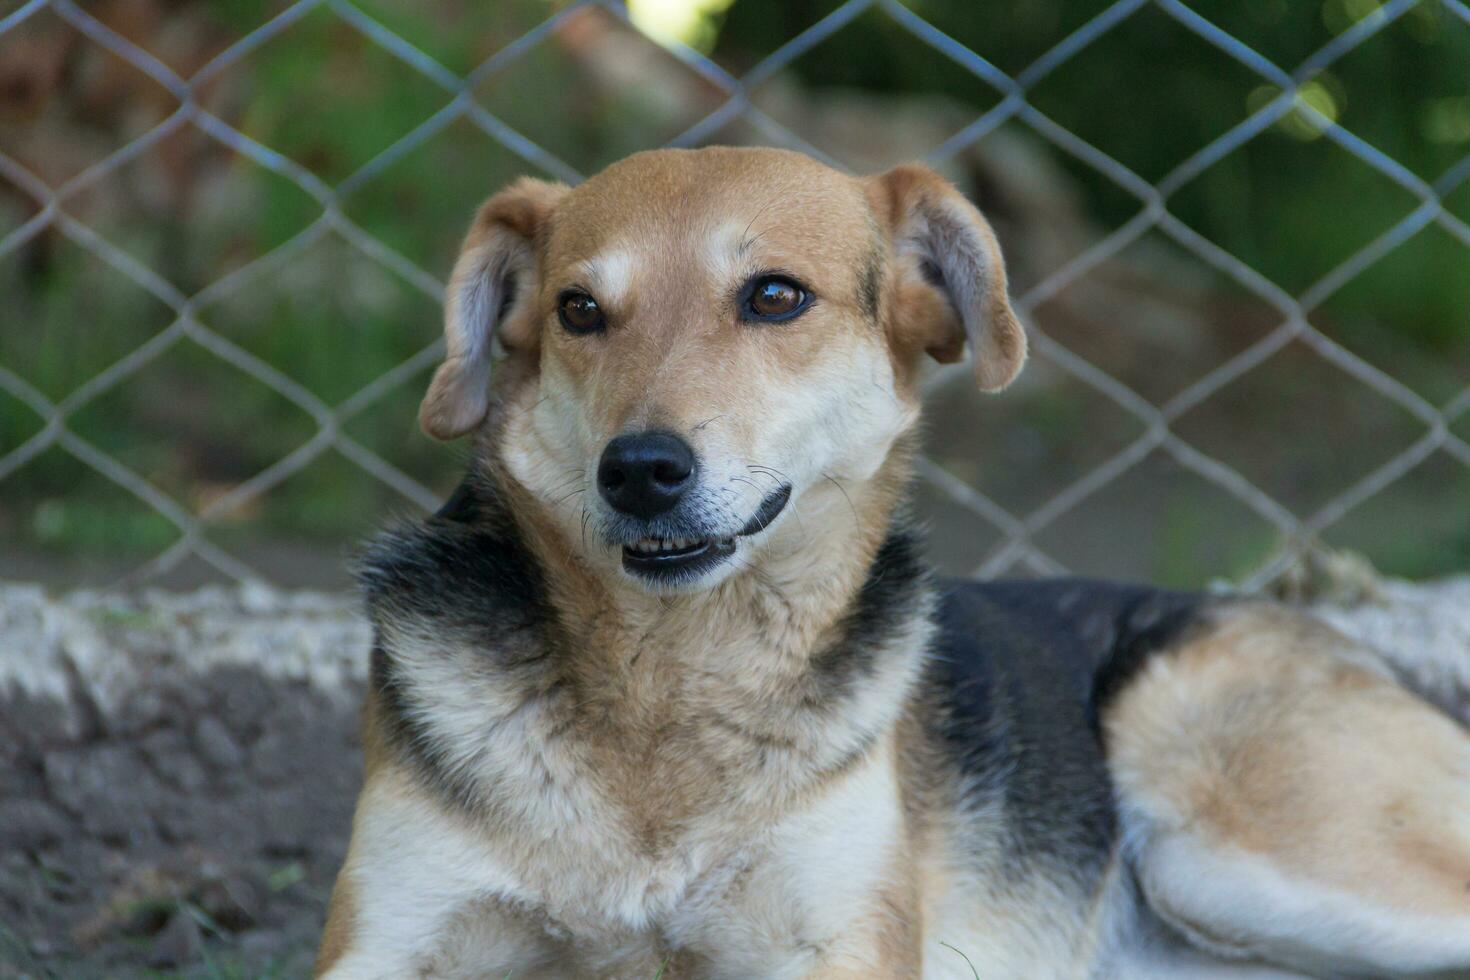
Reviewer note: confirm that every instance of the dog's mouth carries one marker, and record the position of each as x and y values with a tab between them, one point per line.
686	558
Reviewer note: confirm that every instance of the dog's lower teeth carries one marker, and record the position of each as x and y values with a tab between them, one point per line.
656	545
653	546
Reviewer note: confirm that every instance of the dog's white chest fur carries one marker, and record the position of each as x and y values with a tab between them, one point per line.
584	816
582	898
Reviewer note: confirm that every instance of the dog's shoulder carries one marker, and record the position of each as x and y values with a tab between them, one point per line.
464	568
1019	675
459	610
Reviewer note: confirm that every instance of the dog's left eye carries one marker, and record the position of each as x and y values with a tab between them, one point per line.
579	312
774	298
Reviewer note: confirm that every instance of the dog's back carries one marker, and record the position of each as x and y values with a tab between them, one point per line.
1020	671
1010	711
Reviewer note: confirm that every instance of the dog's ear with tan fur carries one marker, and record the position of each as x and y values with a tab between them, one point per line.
490	296
950	284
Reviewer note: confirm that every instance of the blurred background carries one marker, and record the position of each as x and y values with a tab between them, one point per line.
1238	231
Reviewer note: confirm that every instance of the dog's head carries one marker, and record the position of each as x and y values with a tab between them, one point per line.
696	345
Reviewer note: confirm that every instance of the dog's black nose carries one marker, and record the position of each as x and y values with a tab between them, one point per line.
645	473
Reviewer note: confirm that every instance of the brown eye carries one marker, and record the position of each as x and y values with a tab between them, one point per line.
774	298
579	312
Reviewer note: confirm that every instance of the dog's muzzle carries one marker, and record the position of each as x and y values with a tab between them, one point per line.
675	559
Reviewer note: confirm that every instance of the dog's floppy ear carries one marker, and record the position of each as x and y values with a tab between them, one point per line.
491	294
951	281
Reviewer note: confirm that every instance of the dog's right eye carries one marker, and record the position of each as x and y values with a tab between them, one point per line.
773	298
579	312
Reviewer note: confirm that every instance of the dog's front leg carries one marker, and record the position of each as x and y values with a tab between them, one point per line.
421	895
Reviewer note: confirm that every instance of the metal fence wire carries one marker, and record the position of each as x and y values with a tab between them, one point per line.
1017	550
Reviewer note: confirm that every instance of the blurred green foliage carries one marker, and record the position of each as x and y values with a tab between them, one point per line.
1290	204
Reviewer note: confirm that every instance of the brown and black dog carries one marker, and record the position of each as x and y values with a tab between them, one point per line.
666	689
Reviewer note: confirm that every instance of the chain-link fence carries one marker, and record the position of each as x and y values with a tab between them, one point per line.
1013	532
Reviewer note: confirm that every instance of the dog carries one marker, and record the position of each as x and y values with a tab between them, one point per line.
666	689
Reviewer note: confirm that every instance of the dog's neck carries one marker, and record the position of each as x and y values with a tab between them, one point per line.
485	615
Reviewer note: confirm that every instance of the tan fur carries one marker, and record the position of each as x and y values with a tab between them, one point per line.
677	800
653	675
337	933
662	729
501	245
341	924
678	360
918	206
1274	738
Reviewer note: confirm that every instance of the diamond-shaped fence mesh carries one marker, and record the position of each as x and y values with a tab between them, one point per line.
1016	522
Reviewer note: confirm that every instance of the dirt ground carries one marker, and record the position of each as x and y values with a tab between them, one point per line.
177	771
177	776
